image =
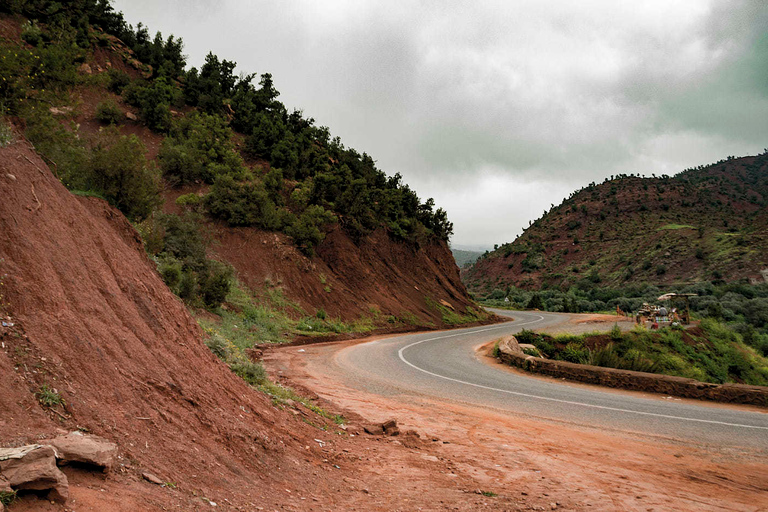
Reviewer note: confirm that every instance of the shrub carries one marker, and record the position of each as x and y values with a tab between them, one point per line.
154	101
575	353
108	112
527	337
215	283
199	148
307	230
192	201
535	302
120	172
184	239
118	80
219	346
31	33
170	270
243	204
252	373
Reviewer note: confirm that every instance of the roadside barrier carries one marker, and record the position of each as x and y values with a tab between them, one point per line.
511	354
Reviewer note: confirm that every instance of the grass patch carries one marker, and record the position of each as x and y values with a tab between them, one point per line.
452	317
88	193
48	397
254	374
676	226
7	497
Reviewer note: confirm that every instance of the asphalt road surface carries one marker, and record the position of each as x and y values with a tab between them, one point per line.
444	365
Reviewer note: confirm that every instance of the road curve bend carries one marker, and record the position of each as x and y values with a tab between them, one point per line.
444	365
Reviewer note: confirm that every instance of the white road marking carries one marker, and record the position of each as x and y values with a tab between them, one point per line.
569	402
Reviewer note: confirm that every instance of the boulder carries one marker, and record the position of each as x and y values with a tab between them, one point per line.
85	449
33	467
374	430
149	477
390	428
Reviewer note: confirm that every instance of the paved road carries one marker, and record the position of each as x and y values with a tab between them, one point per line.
444	365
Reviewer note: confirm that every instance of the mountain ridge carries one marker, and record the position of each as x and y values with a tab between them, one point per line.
706	223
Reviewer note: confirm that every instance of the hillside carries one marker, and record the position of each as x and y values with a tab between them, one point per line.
704	224
224	184
86	314
464	257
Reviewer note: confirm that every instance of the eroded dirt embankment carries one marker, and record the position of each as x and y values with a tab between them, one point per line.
375	277
87	315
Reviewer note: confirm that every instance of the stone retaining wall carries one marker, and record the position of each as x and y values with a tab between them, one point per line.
510	353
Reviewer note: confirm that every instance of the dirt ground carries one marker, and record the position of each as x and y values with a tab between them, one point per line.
484	459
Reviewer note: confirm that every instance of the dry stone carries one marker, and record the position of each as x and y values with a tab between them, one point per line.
85	449
374	430
149	477
33	467
390	428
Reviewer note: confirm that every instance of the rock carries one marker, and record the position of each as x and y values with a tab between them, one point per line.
390	428
374	430
85	68
412	433
33	468
131	116
553	506
149	477
86	449
60	111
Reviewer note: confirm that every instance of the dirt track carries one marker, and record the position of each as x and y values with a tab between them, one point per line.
529	463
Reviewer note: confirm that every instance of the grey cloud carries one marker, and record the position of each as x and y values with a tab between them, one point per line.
551	93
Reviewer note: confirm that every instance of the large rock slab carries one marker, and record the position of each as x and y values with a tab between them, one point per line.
33	467
85	449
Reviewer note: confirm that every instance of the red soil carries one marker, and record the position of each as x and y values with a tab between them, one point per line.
92	319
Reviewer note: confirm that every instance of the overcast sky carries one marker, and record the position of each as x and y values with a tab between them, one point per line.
499	108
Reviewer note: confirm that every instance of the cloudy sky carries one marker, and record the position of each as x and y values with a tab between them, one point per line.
498	109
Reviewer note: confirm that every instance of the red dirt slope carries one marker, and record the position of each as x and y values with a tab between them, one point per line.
376	277
91	318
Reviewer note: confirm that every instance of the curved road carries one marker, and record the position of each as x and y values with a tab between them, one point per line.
444	365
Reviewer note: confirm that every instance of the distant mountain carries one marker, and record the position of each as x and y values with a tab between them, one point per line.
707	223
465	257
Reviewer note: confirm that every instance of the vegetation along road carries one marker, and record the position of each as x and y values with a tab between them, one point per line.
445	365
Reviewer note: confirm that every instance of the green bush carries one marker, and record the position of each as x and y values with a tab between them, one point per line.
120	172
118	80
252	373
31	33
154	100
307	230
108	112
215	283
170	270
240	204
199	148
